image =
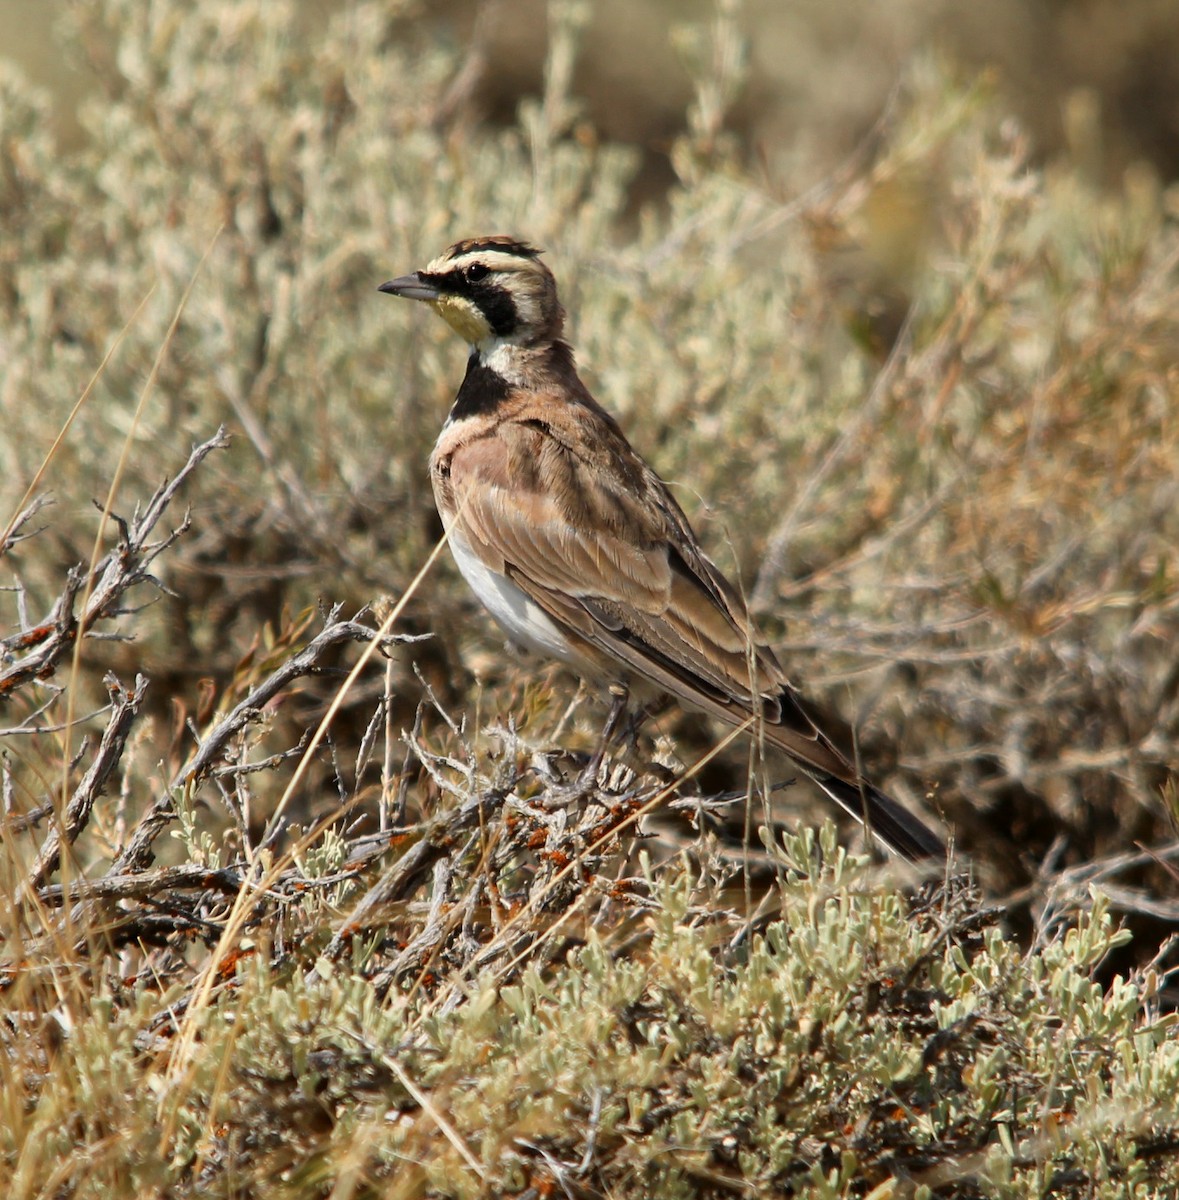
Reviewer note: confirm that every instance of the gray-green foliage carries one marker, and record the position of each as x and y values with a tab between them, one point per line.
999	516
307	170
850	1039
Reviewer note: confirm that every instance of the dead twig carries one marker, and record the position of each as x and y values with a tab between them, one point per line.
12	535
127	565
124	708
212	749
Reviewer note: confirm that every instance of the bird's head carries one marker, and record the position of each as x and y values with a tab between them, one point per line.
489	290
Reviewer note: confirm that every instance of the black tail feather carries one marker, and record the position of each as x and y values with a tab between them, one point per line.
888	821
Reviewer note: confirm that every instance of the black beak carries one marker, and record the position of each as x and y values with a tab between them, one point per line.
412	287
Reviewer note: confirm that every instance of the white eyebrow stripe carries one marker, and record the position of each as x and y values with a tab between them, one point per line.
494	260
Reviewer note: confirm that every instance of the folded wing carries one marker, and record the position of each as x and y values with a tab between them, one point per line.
609	556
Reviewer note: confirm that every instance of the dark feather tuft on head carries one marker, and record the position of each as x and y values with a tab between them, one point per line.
504	244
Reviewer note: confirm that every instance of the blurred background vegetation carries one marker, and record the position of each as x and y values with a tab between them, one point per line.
889	292
963	539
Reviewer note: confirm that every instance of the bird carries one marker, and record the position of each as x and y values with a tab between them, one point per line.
576	546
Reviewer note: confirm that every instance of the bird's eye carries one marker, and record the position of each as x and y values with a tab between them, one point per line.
475	272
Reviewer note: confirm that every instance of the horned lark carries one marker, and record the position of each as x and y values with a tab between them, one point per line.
575	544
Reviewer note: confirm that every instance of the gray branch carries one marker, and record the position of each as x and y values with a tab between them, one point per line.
124	707
209	753
120	570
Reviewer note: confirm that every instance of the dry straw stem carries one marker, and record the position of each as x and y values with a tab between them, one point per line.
26	506
179	1069
113	490
46	645
124	706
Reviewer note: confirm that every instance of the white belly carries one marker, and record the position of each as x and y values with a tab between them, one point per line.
524	621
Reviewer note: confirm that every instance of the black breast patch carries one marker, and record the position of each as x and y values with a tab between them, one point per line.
482	390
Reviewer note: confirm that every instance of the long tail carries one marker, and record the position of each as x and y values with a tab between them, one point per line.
888	821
